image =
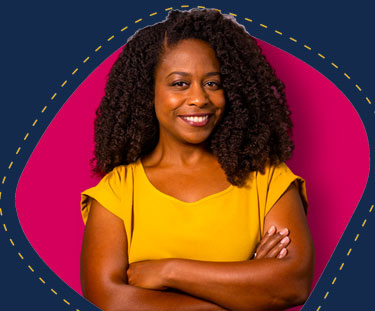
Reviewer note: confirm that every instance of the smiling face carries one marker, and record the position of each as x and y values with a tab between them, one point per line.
189	99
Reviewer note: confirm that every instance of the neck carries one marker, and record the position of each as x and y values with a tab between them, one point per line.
168	153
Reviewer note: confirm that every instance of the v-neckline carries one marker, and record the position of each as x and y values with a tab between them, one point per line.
172	198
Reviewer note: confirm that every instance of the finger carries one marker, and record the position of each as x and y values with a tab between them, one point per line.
271	242
283	253
275	251
271	231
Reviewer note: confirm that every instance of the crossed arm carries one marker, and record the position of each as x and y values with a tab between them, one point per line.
267	283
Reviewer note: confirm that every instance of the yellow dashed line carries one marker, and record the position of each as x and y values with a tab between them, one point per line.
318	308
4	180
11	242
325	297
364	222
0	208
10	165
18	150
372	206
110	38
75	70
86	59
201	7
184	6
368	100
278	32
98	48
232	14
1	212
334	280
322	56
27	134
168	9
334	65
45	107
63	84
5	227
248	19
53	96
342	265
217	10
66	301
32	270
126	27
294	40
42	280
356	238
53	291
307	47
359	89
264	26
19	254
346	75
36	120
152	14
138	20
349	251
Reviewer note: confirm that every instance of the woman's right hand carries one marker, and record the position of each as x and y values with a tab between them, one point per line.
273	244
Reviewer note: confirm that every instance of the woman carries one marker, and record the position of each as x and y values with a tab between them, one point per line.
192	134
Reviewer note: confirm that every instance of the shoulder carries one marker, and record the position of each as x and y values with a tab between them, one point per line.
276	179
121	173
272	171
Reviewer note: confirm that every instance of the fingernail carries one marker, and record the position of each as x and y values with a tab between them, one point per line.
282	253
284	240
271	230
284	231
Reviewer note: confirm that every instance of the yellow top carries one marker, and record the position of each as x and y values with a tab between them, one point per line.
225	226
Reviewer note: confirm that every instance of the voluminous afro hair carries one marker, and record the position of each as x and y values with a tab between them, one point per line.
255	127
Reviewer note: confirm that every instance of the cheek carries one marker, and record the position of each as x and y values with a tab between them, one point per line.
220	103
167	104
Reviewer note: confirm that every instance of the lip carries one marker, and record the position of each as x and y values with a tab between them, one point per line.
194	123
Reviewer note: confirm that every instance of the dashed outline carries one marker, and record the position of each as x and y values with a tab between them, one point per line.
347	254
108	40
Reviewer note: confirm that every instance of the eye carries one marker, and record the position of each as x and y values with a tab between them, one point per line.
213	85
180	84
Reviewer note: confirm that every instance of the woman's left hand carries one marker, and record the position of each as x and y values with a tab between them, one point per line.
148	274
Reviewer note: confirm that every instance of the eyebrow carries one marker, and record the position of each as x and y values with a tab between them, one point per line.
182	73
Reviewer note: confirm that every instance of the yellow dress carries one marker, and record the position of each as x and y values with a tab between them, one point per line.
225	226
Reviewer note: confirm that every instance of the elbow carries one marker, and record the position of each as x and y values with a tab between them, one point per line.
298	280
104	295
296	294
296	289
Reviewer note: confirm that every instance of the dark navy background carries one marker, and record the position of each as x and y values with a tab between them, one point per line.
42	43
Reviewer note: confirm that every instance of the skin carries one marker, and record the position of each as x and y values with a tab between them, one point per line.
279	276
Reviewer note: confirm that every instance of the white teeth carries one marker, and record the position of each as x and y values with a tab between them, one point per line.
196	119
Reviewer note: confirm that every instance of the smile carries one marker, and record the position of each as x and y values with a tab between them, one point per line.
201	120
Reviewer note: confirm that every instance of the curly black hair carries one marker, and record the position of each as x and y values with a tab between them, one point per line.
255	127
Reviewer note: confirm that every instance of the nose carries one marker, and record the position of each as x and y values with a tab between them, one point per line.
198	96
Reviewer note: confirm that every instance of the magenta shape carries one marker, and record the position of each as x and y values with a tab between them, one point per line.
328	134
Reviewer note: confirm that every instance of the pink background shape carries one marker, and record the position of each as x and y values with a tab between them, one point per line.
328	134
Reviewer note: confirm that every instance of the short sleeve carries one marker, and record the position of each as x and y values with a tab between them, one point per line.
108	192
275	182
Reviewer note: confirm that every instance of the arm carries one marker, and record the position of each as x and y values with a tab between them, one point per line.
103	271
267	283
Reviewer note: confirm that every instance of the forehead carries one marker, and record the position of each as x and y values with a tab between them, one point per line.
189	54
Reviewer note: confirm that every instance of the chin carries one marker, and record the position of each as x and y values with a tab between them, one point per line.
196	140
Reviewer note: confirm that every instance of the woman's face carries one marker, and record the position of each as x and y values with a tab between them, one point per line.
189	99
